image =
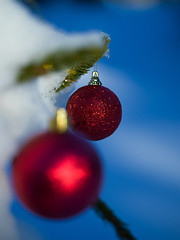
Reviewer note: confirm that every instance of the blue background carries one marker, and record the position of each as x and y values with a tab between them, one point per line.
145	47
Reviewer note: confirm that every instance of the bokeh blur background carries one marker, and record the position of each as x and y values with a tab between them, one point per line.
142	158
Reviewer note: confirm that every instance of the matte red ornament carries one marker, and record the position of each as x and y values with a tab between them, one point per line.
57	175
94	112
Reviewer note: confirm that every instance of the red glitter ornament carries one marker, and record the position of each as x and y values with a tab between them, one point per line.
94	112
57	175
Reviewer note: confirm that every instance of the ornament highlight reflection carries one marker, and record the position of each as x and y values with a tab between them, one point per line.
70	174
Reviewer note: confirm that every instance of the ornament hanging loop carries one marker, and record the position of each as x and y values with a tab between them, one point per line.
95	74
95	79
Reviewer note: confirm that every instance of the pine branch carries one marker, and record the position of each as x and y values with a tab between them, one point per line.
80	69
106	214
81	60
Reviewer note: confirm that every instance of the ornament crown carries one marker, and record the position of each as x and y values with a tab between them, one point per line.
95	79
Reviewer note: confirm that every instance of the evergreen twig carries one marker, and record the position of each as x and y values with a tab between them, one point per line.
80	69
106	214
79	61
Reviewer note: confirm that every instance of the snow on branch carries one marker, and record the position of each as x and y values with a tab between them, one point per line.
79	61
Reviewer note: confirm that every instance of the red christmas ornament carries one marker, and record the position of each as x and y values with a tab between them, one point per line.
57	175
94	111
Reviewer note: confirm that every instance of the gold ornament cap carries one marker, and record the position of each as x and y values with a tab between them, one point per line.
95	79
60	123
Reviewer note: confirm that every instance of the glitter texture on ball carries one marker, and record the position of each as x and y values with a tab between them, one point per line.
94	112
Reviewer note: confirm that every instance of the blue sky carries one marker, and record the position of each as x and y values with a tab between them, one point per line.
142	158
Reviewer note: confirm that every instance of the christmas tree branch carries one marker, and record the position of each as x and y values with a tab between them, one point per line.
106	214
80	69
81	60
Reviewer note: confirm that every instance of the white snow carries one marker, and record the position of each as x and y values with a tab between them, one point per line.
27	108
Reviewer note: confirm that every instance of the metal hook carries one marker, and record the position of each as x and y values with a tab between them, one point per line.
95	74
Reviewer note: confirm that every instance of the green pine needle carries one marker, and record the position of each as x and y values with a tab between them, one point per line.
81	60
